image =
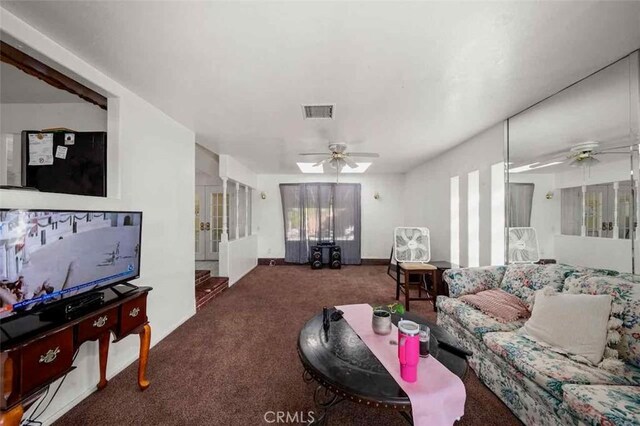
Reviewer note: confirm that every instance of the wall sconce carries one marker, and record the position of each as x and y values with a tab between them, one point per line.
263	195
549	195
376	195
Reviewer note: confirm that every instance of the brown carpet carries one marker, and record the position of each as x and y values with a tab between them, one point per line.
236	358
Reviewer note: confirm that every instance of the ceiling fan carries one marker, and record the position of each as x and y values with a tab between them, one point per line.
585	153
338	157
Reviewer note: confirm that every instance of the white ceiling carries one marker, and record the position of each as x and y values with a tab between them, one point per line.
409	80
18	87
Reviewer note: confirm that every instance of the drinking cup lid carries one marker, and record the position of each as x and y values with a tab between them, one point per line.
408	327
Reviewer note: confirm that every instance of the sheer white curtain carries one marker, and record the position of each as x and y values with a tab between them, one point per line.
316	213
520	203
346	208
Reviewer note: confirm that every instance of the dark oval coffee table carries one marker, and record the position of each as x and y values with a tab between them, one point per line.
346	369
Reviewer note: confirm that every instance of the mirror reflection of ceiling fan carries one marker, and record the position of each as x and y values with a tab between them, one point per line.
338	157
583	154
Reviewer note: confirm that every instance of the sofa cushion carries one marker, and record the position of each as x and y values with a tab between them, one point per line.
463	281
625	293
574	324
603	405
550	369
629	277
524	280
473	319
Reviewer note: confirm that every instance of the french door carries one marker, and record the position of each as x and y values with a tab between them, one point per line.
208	222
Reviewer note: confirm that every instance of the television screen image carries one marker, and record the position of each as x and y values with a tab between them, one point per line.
46	256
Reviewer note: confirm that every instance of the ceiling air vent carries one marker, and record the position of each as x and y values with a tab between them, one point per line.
318	111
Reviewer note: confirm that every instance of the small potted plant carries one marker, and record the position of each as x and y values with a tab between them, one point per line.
381	320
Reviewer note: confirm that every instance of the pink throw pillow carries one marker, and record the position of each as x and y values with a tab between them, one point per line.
499	304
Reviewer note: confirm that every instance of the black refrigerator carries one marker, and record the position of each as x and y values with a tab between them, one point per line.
65	162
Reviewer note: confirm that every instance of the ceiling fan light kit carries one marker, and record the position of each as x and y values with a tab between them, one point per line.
337	159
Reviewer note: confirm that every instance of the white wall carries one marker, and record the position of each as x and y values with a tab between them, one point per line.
427	193
239	256
81	117
379	217
232	169
207	167
154	159
615	171
594	252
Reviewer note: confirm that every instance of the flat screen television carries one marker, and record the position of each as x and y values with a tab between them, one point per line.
50	255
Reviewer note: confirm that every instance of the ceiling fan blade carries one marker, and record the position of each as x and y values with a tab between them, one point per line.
364	154
313	153
322	163
350	162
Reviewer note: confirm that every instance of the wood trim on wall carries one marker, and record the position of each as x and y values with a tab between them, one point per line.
35	68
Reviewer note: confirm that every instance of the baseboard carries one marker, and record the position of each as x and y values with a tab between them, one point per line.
276	261
50	419
279	261
374	261
241	276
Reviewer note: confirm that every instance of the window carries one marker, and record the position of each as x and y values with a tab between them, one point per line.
250	211
317	213
602	210
497	214
215	209
242	212
233	210
455	220
238	210
473	217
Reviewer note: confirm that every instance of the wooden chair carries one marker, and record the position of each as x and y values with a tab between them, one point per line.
405	275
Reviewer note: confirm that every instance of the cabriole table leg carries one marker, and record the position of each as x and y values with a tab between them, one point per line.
103	348
11	417
145	342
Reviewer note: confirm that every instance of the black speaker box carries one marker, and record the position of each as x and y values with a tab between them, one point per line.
316	257
335	258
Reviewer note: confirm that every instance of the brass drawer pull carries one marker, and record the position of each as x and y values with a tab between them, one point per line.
134	312
50	356
100	322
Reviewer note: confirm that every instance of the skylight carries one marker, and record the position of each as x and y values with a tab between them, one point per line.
533	166
362	167
309	168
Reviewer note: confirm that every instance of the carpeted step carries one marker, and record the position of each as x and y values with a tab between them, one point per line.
209	289
202	276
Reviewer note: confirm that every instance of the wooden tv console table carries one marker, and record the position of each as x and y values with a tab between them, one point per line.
35	352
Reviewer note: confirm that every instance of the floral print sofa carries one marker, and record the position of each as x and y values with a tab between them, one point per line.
540	386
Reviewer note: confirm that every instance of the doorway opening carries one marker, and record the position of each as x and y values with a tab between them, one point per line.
208	211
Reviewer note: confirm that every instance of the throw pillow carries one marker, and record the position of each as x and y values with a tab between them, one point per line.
523	280
626	307
463	281
498	304
575	324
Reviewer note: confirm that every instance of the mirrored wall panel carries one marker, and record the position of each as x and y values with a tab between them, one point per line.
571	193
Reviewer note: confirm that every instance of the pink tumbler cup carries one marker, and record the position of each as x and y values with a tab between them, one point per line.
408	350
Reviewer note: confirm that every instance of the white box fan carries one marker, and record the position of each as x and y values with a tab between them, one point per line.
411	244
523	245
